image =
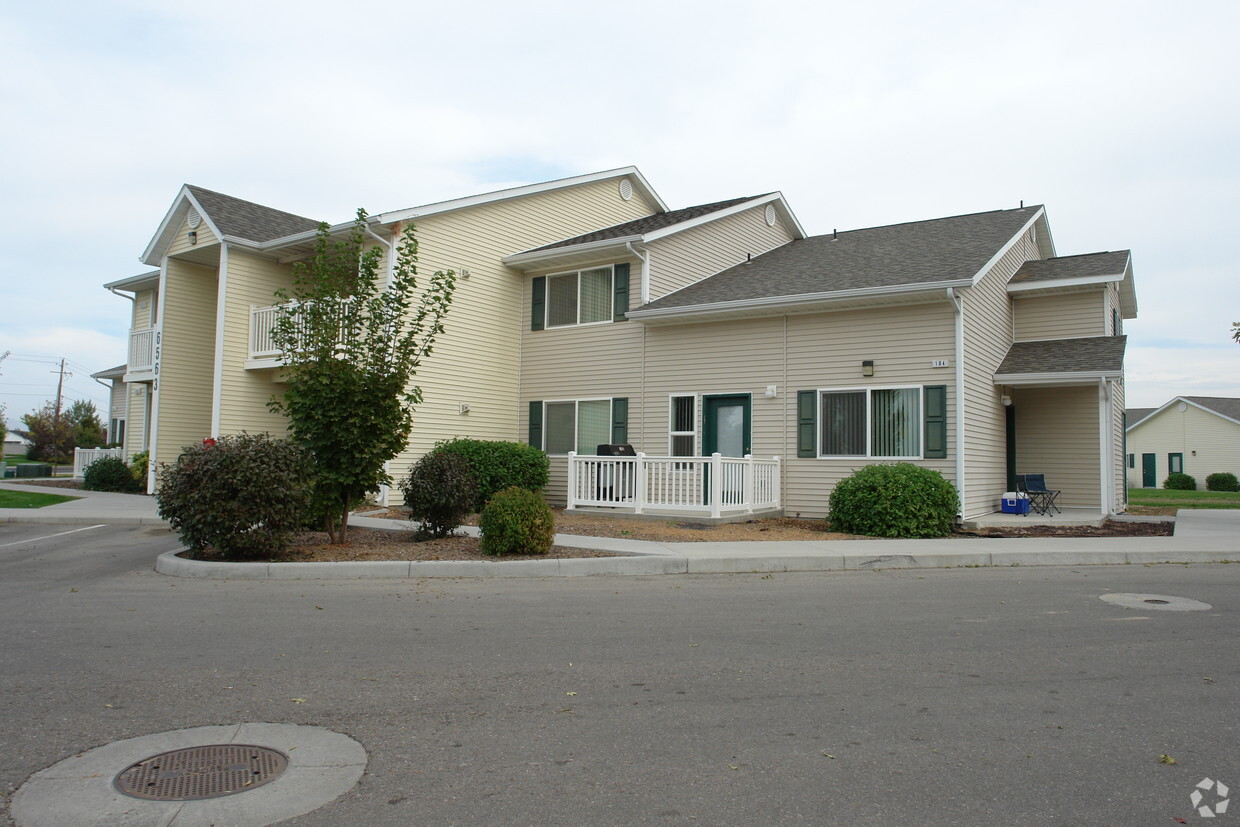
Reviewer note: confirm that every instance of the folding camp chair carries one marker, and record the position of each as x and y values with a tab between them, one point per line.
1041	498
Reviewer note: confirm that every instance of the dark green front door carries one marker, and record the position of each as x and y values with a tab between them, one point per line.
725	425
1149	472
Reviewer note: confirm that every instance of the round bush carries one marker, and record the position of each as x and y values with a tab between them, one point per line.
109	474
901	500
517	521
439	492
1180	482
139	465
1222	481
497	465
243	495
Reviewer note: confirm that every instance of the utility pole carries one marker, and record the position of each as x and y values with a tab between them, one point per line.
60	386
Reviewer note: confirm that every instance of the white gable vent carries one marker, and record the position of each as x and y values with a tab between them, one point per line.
770	215
193	219
626	189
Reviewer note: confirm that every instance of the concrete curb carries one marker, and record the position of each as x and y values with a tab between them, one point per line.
66	519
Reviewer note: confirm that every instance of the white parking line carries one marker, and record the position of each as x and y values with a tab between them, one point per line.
50	536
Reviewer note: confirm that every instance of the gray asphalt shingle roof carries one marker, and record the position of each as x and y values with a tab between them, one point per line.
245	219
1089	355
1073	267
1228	406
921	252
1134	415
650	223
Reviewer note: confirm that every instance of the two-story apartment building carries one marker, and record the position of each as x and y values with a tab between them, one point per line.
588	312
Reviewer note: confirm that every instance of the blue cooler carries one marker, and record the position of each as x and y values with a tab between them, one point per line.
1015	503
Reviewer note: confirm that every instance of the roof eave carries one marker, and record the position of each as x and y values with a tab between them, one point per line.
1056	378
531	258
1056	284
162	240
778	302
133	283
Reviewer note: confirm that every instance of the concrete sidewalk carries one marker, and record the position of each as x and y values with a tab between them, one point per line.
1201	536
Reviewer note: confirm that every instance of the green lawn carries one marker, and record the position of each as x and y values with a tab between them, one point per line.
1165	498
29	499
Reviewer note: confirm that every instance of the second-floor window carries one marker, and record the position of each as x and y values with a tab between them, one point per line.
581	297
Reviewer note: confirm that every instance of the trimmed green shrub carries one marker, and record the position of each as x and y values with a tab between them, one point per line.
109	474
901	500
1180	482
498	465
244	495
1222	481
139	466
517	521
440	492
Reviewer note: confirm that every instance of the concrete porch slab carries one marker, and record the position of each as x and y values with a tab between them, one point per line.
1070	516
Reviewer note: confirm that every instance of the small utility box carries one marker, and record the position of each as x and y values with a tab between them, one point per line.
1015	502
34	469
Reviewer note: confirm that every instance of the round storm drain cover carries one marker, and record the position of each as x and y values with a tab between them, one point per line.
202	772
1161	602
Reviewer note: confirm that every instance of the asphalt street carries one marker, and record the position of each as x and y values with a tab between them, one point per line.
964	696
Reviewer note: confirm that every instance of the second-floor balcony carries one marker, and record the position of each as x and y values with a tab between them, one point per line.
263	350
141	351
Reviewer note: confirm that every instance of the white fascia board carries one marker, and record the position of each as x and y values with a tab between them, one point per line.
1056	284
529	258
777	197
1046	242
1008	246
154	253
643	186
1032	379
1128	292
774	302
134	283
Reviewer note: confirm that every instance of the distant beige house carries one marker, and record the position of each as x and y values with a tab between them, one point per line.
1195	435
751	364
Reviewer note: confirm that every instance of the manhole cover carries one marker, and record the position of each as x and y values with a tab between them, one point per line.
202	772
1160	602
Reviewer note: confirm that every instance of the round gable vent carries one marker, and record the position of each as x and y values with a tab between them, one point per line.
626	189
193	219
770	215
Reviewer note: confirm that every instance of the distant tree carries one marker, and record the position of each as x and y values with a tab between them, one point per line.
88	430
51	436
352	342
1235	331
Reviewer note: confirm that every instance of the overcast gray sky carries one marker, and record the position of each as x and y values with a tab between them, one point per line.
1120	117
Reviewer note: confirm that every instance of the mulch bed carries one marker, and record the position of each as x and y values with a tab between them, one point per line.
1111	528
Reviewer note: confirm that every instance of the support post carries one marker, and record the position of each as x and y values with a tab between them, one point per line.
639	484
716	483
747	485
572	479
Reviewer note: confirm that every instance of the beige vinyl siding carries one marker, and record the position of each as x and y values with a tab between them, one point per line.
477	359
1057	435
144	306
583	362
987	336
117	405
187	358
1118	458
1215	440
694	254
137	420
826	351
244	393
1061	316
1111	303
180	242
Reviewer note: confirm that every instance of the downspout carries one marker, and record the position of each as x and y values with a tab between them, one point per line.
645	260
385	489
958	305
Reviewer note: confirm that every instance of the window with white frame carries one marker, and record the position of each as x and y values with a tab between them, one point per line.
874	423
682	426
577	425
581	297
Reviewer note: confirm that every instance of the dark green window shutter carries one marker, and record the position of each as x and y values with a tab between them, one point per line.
936	422
621	293
538	303
620	420
807	423
536	428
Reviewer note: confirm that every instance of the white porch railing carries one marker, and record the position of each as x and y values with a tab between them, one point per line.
670	484
262	323
83	457
141	350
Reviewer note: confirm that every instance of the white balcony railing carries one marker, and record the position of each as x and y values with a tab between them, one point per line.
673	484
262	323
141	350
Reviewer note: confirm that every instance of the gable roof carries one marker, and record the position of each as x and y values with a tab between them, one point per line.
641	226
920	255
1134	415
1228	407
245	219
1062	360
1079	272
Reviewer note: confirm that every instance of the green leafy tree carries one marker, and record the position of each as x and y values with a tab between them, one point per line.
51	436
87	429
352	342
